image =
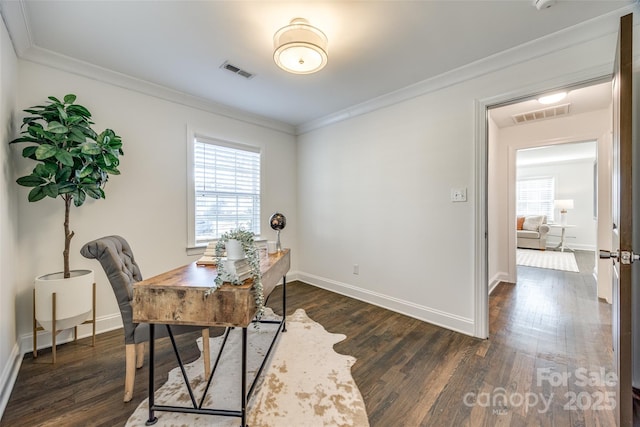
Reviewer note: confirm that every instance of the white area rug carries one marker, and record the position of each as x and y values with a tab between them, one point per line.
305	384
553	260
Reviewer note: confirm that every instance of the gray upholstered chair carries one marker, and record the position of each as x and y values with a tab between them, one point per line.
116	258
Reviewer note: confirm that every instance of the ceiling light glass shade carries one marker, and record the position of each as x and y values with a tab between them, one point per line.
550	99
300	48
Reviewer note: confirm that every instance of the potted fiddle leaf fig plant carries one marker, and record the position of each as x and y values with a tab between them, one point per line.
73	161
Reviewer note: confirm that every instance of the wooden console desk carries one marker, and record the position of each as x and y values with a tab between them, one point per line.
178	297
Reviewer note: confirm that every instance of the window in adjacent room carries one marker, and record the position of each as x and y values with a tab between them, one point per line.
225	193
535	196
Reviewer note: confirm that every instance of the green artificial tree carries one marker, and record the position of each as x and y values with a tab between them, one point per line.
73	161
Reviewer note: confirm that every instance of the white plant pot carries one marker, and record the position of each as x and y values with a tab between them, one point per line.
74	298
234	249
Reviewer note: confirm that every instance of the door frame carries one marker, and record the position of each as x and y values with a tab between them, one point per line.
481	271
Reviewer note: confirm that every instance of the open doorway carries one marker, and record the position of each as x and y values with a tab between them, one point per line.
557	318
558	184
583	116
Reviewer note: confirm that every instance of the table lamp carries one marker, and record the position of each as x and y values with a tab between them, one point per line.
563	205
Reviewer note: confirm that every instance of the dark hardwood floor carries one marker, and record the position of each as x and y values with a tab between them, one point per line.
549	335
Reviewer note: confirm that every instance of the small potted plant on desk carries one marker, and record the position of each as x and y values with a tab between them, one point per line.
242	262
73	162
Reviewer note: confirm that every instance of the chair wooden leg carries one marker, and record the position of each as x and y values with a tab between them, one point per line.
139	355
130	371
206	351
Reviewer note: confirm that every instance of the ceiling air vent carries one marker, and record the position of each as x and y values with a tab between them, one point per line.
545	113
236	70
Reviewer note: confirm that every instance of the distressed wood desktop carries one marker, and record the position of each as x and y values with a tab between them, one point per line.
178	297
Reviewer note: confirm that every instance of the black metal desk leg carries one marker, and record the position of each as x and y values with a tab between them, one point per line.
284	303
152	419
244	377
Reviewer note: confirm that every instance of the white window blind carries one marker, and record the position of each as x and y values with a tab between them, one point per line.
535	196
227	189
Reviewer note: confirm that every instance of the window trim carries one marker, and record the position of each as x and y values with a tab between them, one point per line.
194	248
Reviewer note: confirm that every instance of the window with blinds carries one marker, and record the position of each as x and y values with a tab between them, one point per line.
535	196
226	189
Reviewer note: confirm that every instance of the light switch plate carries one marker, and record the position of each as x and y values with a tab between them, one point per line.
458	194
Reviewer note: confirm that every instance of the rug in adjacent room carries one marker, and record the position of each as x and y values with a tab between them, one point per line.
305	383
553	260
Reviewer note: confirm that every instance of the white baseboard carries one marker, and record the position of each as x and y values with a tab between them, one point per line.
8	377
291	276
114	321
25	345
420	312
501	276
103	324
574	246
581	247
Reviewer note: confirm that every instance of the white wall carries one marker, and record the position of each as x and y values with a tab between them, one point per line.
594	126
147	203
372	190
497	210
573	180
375	191
9	351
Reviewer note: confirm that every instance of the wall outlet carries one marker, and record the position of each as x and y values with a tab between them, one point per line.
356	269
458	194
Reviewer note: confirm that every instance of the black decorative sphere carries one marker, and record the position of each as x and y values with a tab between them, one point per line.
277	221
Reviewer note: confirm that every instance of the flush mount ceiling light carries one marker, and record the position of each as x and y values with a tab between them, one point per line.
543	4
550	99
300	48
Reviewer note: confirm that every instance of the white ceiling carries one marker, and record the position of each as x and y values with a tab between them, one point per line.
558	153
375	47
582	100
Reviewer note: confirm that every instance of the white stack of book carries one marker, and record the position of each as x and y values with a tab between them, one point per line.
238	268
209	255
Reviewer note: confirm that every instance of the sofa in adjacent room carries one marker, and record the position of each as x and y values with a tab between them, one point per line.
531	231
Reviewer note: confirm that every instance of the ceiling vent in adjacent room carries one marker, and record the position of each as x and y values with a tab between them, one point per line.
236	70
545	113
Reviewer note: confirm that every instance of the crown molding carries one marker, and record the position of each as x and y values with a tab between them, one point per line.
602	26
54	60
15	19
14	16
